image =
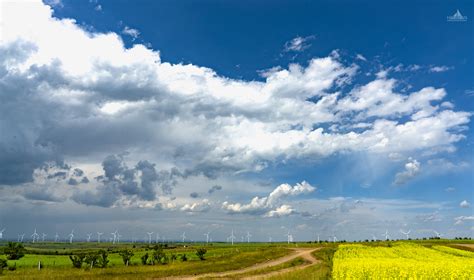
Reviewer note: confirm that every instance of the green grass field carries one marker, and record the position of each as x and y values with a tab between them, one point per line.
220	257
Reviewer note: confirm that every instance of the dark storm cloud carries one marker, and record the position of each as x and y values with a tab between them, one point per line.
78	172
104	196
58	175
142	181
42	195
72	182
214	188
194	195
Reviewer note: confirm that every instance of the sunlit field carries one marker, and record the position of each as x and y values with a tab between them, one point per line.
402	261
417	259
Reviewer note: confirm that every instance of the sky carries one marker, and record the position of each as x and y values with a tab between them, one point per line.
310	117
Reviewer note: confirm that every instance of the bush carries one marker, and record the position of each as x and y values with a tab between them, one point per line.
91	259
126	256
14	251
144	259
200	253
3	263
158	255
184	258
102	260
77	260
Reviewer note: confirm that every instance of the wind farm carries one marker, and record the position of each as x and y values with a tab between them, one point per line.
182	258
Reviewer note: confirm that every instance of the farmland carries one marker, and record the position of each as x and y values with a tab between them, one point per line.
278	261
402	261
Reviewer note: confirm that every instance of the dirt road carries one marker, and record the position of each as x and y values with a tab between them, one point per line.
304	253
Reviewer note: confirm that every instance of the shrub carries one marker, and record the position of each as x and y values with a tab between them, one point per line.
91	259
77	260
14	251
184	258
200	253
3	263
126	256
144	259
102	260
158	255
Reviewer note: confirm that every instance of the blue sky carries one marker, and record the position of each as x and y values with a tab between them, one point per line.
318	117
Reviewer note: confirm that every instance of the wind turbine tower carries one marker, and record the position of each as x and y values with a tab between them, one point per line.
290	237
248	237
1	233
71	236
183	236
35	236
207	237
98	236
149	237
232	237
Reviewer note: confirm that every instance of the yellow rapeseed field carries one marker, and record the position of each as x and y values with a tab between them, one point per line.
402	261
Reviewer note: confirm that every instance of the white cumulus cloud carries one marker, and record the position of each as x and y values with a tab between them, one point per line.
412	168
261	205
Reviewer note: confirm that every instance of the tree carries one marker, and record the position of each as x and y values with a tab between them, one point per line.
103	260
144	259
77	260
126	256
158	255
91	259
184	258
3	263
200	253
14	251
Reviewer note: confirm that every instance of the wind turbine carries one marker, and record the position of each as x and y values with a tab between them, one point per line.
43	236
334	238
207	237
290	237
114	234
248	237
71	236
89	237
98	236
232	237
374	238
20	237
407	233
270	239
183	236
118	237
318	238
56	237
1	233
149	237
387	237
437	234
35	236
157	238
